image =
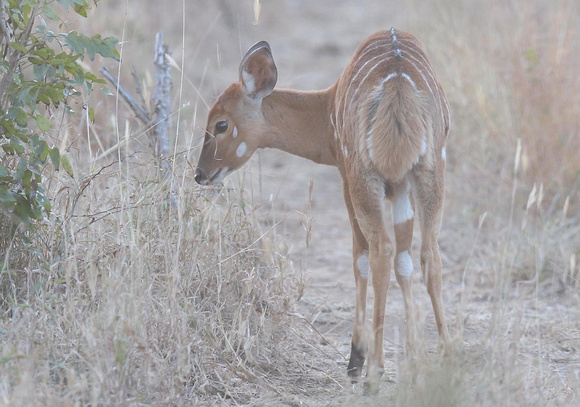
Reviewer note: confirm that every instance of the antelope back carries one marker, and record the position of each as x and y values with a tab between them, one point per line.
390	104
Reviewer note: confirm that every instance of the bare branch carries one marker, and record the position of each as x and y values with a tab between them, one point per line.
162	96
139	111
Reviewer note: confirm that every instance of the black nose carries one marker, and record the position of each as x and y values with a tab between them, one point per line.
199	178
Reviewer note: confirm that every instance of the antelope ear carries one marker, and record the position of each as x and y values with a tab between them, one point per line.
258	72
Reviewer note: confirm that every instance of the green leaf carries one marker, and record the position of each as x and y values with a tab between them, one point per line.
8	149
17	145
55	157
44	201
43	123
26	178
73	40
42	150
19	47
50	13
21	169
66	164
19	115
7	198
72	3
92	114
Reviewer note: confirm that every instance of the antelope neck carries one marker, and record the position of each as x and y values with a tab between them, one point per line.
299	122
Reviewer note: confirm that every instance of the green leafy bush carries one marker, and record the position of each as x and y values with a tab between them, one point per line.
40	72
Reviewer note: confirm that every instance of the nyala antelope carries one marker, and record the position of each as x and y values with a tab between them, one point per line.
384	125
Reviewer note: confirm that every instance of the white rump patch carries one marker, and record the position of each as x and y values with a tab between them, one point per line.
363	266
402	208
404	266
241	150
443	153
235	132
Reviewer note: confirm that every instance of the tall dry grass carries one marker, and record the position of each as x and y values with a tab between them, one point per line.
128	300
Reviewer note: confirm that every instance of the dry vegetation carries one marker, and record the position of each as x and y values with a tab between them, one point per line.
122	299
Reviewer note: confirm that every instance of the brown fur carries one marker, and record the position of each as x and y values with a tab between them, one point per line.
397	125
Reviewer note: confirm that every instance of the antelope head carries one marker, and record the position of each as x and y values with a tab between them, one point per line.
235	126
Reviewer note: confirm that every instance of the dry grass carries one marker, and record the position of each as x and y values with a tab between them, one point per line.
130	301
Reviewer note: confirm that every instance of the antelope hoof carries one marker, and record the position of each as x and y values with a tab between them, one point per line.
355	363
372	382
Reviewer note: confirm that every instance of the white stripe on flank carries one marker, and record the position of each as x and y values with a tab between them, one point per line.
362	80
370	145
407	77
404	265
362	264
333	127
389	76
424	145
368	74
429	69
443	153
436	98
345	152
402	207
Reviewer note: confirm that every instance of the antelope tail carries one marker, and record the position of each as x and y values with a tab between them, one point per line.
398	126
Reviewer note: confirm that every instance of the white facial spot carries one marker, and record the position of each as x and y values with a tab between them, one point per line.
345	152
402	208
443	153
235	132
404	265
241	150
362	264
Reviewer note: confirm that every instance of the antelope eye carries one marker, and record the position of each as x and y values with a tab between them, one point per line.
221	127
